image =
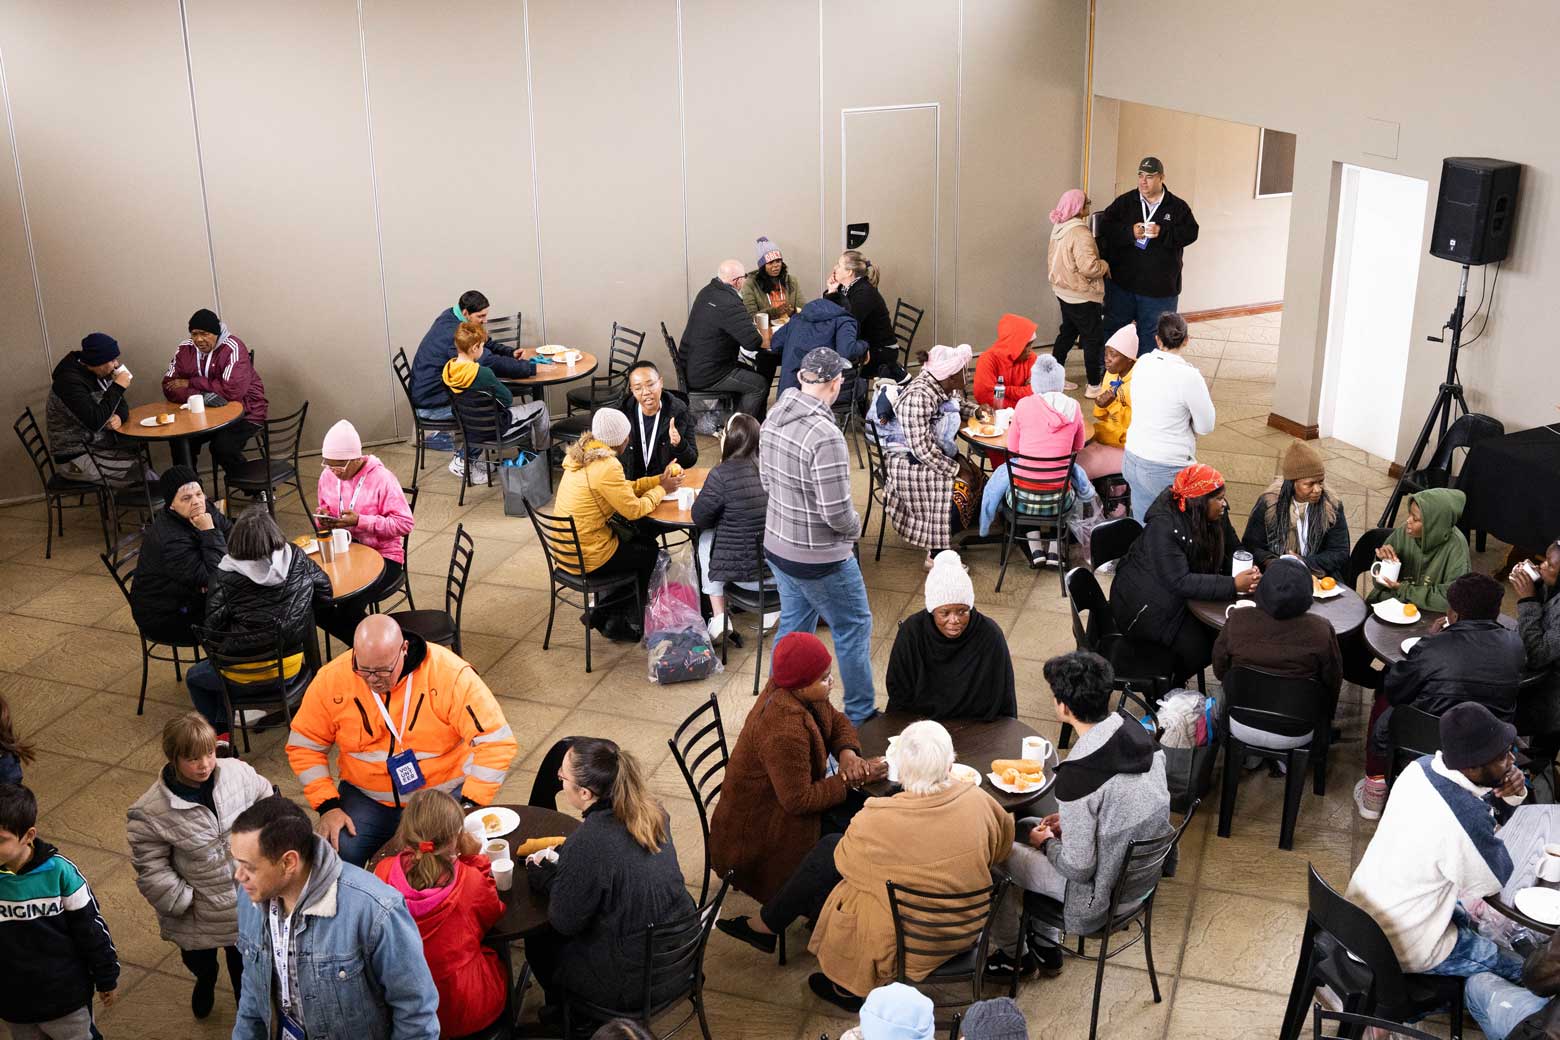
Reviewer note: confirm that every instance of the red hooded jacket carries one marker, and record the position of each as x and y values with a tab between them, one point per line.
1009	358
452	920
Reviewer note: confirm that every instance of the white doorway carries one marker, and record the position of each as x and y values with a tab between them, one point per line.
1379	243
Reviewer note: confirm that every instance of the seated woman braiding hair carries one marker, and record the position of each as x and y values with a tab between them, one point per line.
1297	515
950	661
1184	553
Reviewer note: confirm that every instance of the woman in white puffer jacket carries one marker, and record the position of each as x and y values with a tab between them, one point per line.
178	834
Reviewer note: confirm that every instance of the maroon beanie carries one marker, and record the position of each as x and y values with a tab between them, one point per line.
800	660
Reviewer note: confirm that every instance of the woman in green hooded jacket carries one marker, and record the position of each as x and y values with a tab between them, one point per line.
1434	553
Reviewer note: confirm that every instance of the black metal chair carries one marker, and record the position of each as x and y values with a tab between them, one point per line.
760	601
1144	665
847	408
560	540
877	484
1287	707
907	320
1411	733
1352	1026
504	332
673	971
1131	906
954	927
138	498
55	487
420	427
1041	511
1345	949
1111	540
402	588
1462	435
121	562
1364	554
271	688
277	463
699	747
488	429
724	400
606	391
1124	701
443	626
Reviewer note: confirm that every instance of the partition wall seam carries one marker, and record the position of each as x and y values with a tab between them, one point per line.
379	234
682	135
21	200
958	167
536	179
823	215
200	158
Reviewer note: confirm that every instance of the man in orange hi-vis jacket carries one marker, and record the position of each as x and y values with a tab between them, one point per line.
403	714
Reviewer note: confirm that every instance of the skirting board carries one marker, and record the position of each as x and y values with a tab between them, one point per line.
1234	312
1289	426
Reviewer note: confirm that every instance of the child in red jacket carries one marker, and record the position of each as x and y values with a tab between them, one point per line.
448	887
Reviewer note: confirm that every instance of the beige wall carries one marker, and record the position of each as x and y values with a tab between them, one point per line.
333	174
1238	257
1331	88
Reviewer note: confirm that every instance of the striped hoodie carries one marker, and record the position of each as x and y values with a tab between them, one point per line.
54	944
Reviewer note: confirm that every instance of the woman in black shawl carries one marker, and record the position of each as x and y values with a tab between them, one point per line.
951	662
1299	516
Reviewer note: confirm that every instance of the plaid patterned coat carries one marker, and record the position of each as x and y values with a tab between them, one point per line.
920	484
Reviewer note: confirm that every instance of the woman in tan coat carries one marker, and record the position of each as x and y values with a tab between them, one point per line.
778	795
1077	277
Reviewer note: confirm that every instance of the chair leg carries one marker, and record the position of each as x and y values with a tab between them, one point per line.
177	677
1234	756
882	524
758	659
1300	989
1007	547
780	947
1294	789
1319	762
552	609
1061	557
704	1025
1457	998
146	657
587	642
48	542
1148	947
1099	984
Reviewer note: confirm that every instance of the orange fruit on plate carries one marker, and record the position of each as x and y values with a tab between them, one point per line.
1409	610
1328	584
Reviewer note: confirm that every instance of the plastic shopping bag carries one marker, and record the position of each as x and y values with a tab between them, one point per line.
676	638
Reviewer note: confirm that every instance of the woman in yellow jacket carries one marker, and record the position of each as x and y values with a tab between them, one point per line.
1101	456
592	491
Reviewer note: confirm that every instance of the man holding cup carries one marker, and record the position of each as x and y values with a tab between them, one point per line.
86	407
1142	235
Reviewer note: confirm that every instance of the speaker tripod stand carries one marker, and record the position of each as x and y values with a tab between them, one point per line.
1450	395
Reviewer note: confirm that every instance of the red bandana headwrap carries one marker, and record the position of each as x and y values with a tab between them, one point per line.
1195	481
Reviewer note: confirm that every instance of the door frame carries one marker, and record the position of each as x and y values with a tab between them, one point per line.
936	107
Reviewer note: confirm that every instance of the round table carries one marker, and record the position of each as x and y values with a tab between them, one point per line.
1386	639
1345	613
975	743
525	911
994	443
353	571
669	512
551	374
184	426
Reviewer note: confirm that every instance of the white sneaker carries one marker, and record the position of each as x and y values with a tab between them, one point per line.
1091	391
479	473
717	628
458	465
771	619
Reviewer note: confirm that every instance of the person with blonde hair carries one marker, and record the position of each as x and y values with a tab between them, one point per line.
465	372
614	876
853	284
178	833
448	885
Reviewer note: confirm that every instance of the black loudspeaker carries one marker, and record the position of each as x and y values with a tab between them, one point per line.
1475	210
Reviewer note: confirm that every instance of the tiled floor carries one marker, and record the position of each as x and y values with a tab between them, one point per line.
1227	927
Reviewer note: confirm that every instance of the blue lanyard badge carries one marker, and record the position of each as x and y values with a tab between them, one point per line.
291	1030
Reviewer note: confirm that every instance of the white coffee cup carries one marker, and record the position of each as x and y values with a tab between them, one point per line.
1150	230
496	849
1531	568
197	404
685	498
503	874
761	320
1242	561
1386	570
1037	749
340	540
1236	606
126	370
1549	864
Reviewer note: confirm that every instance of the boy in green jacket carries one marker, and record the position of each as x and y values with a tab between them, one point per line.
1433	552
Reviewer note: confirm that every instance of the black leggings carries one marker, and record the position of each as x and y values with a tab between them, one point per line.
203	965
806	890
634	556
1192	649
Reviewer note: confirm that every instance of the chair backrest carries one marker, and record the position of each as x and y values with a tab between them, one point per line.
907	319
271	649
410	494
941	924
1275	703
1412	733
281	438
504	331
877	467
1350	1025
483	420
676	356
1111	540
36	447
673	953
699	746
1092	619
560	538
122	562
1363	554
1467	431
1357	932
1145	865
624	351
403	372
1049	480
460	570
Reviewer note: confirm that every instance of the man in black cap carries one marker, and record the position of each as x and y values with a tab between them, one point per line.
180	551
215	364
1141	236
86	405
1436	841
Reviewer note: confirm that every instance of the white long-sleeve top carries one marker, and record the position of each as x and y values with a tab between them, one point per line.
1170	408
1436	840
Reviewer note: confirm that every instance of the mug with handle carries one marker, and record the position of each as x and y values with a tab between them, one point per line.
340	540
1386	570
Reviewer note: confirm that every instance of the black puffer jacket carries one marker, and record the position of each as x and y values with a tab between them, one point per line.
637	462
718	326
177	566
290	586
1155	578
733	504
1468	661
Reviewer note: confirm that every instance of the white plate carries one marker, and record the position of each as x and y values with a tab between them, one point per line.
1332	593
549	349
149	421
996	781
508	820
1410	642
968	774
1541	904
1391	611
570	356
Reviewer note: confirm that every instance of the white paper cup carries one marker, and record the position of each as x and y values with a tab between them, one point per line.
1242	561
474	828
503	874
1549	864
761	320
340	540
496	849
1386	570
1037	749
197	404
685	498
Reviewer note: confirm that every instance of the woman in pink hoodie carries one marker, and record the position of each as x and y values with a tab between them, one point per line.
358	493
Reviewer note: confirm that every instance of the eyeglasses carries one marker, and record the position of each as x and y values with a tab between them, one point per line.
378	673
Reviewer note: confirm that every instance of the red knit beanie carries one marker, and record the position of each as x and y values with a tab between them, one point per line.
800	660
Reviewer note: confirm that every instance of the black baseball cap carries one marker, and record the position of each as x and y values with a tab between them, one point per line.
821	365
1151	164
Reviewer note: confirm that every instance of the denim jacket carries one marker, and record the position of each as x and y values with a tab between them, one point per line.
357	965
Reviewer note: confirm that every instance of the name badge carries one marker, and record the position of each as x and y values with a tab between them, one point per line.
291	1030
405	773
1141	243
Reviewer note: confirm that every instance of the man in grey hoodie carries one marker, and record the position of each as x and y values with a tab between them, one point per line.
811	528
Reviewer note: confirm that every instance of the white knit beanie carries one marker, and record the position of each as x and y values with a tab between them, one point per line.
609	426
948	582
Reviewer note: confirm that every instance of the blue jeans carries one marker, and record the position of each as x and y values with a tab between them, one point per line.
440	441
992	497
205	687
841	599
1123	307
1498	1005
1474	954
1147	480
375	824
